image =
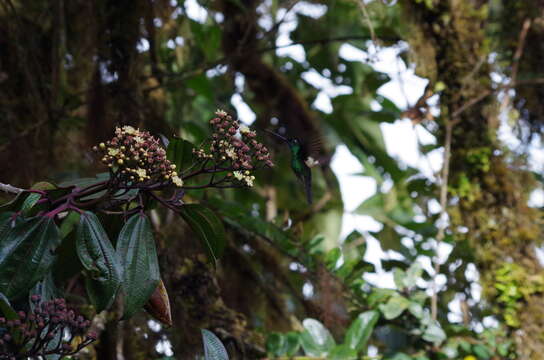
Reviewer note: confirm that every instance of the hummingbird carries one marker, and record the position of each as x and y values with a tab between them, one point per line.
300	163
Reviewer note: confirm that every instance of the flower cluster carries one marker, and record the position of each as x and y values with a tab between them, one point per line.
51	328
137	157
235	147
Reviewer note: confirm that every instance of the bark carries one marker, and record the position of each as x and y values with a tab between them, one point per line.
448	39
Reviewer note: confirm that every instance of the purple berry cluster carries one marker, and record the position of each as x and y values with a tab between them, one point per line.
51	328
234	146
137	157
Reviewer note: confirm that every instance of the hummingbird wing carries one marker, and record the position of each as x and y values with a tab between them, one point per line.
313	147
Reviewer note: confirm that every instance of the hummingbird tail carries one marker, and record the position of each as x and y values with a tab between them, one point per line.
309	194
308	189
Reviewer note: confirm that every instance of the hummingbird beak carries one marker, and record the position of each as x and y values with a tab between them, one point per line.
277	135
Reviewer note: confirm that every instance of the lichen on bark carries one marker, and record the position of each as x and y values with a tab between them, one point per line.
485	177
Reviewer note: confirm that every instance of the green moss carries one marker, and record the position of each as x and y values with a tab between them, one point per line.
513	287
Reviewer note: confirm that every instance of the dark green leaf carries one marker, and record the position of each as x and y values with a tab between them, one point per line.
208	38
96	253
26	253
235	215
180	153
360	330
45	288
138	256
68	263
16	203
275	344
278	344
213	347
6	309
69	223
30	201
202	86
6	223
292	343
207	227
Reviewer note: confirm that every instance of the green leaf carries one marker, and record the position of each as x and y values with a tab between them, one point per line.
278	344
68	263
213	347
481	352
399	356
292	343
202	86
138	256
434	334
416	309
378	296
360	330
275	343
208	38
394	307
316	340
26	254
180	153
412	274
98	257
207	227
30	201
68	224
6	223
5	308
342	352
16	203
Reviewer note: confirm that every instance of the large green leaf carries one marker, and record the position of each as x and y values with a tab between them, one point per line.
6	223
180	153
242	219
360	330
138	256
26	253
316	340
68	264
96	253
207	227
213	347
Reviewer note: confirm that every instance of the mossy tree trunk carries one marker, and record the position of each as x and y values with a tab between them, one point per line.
448	40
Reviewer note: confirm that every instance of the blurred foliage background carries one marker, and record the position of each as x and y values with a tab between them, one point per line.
70	71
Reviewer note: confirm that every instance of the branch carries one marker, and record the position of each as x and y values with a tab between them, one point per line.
10	189
476	100
443	214
517	57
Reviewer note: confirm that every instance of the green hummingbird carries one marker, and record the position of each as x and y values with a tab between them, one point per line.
300	163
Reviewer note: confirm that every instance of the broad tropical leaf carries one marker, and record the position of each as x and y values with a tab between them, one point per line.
98	257
208	227
213	347
138	255
26	254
